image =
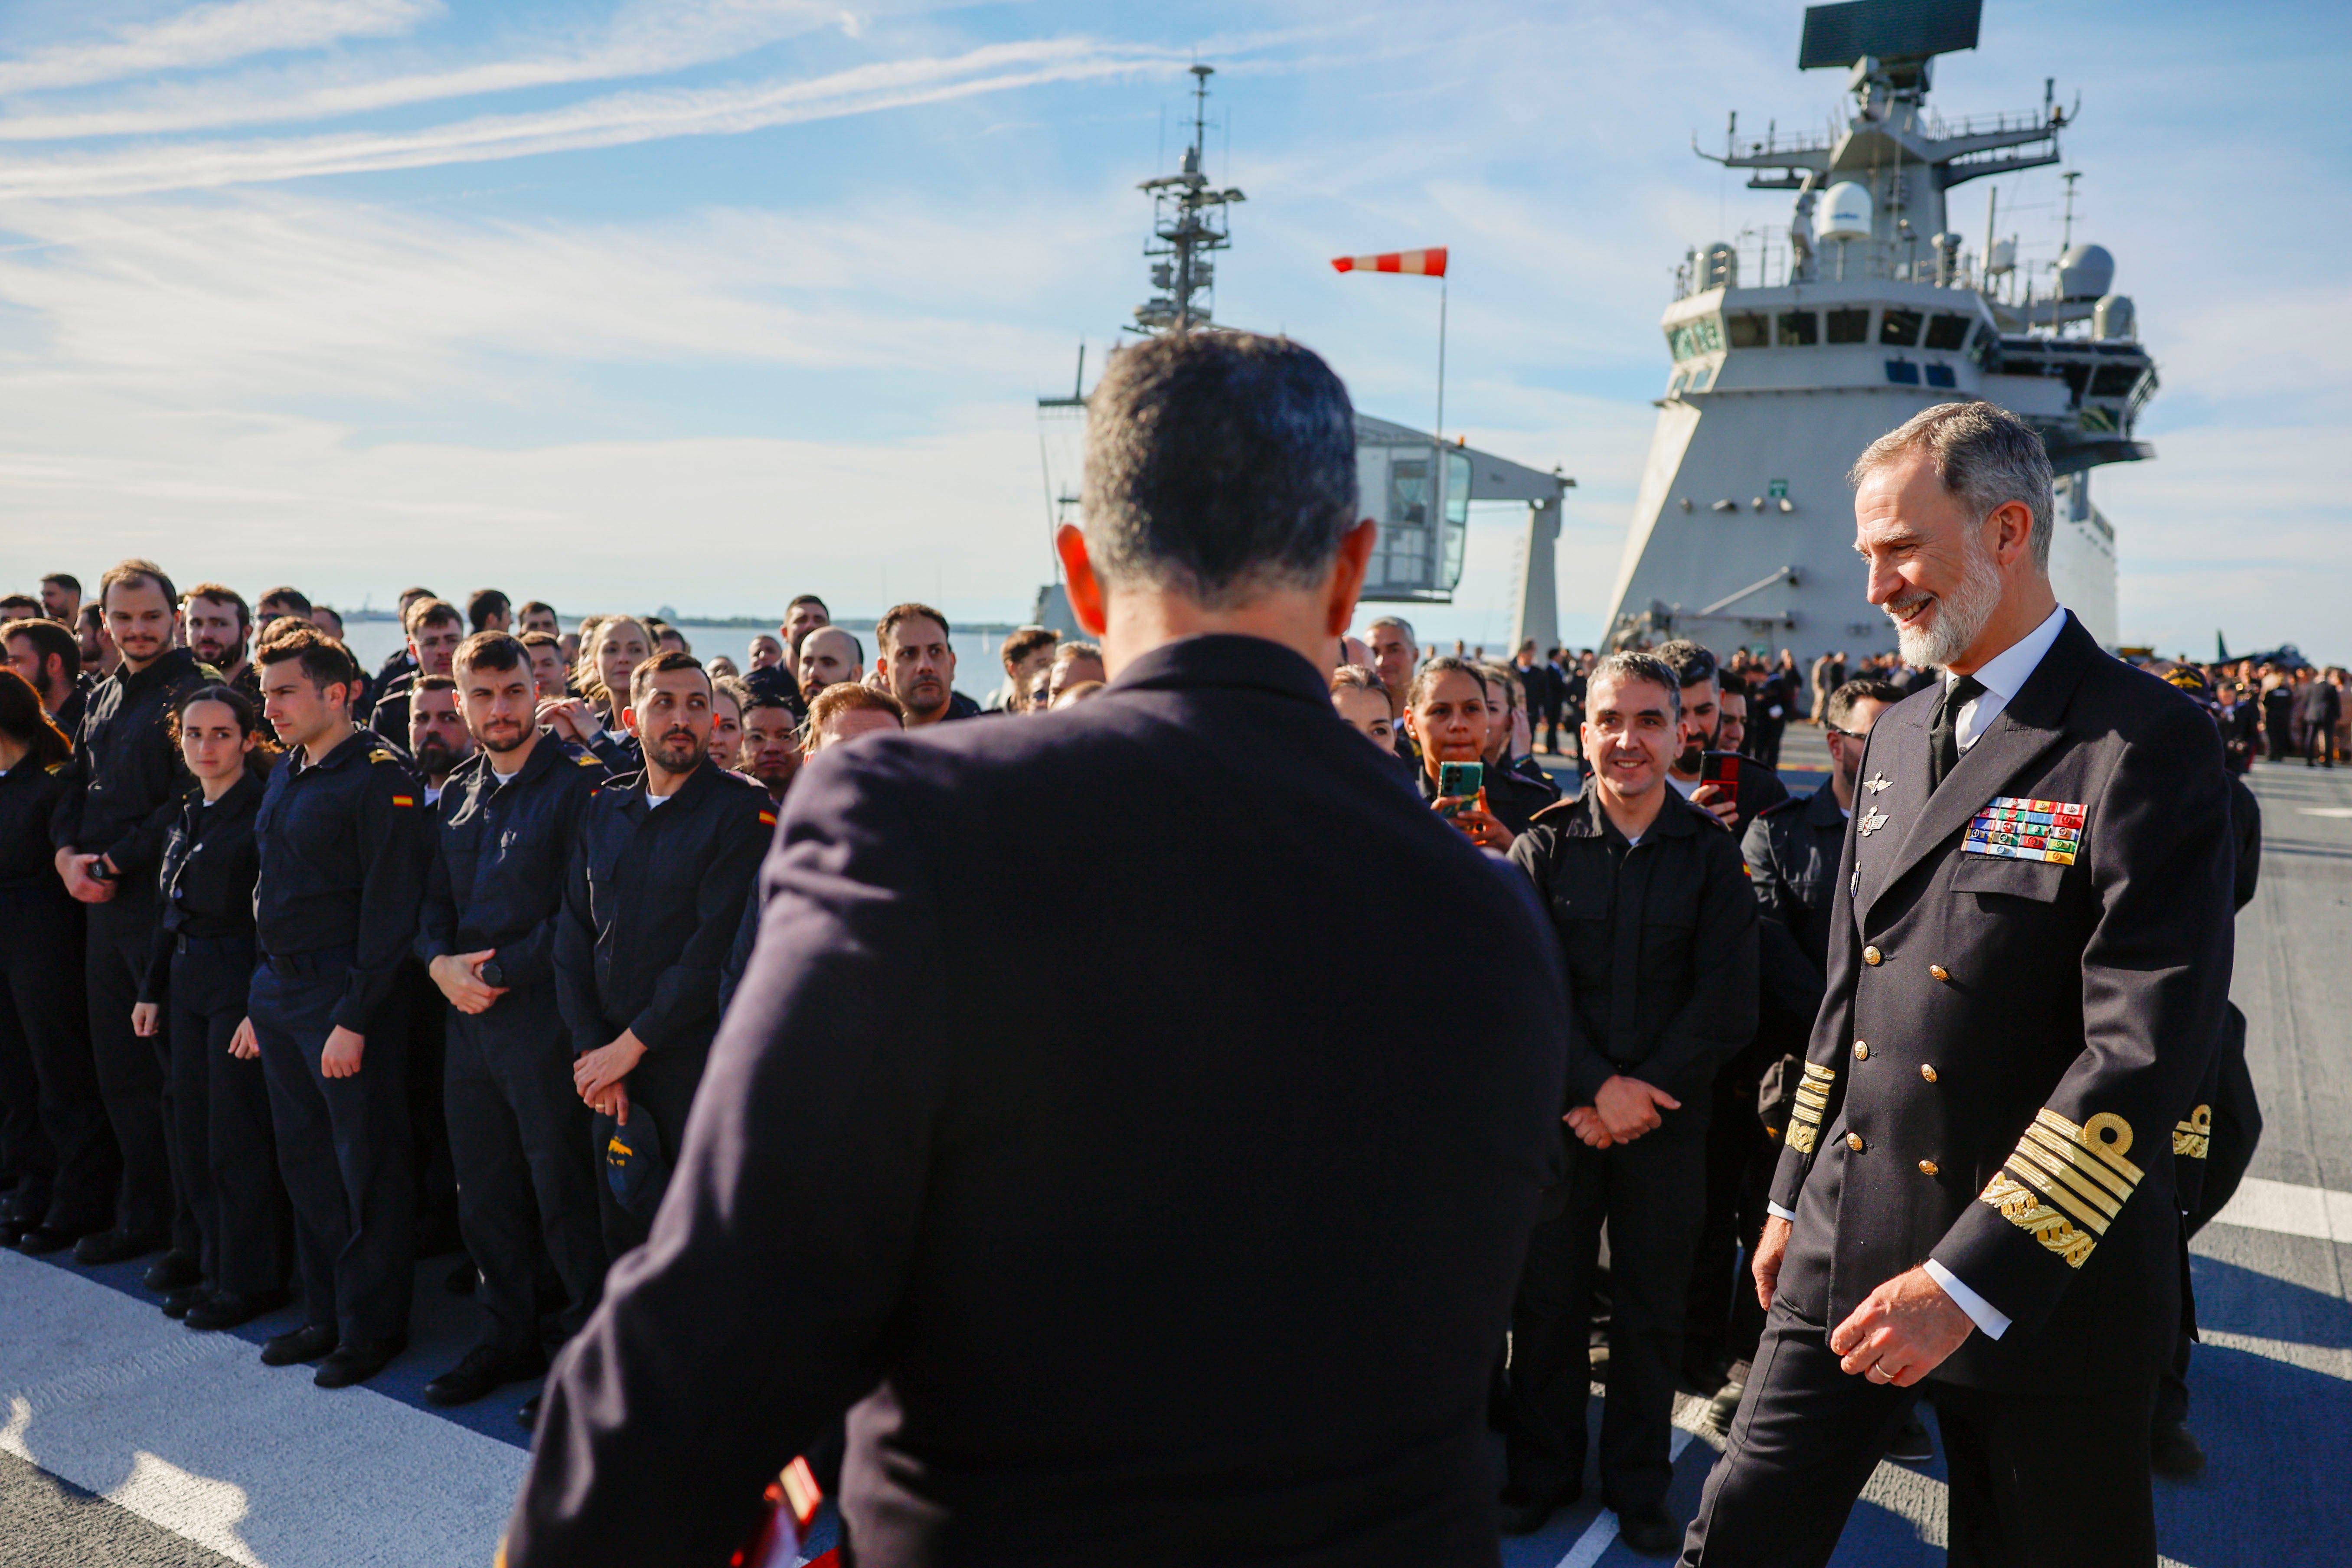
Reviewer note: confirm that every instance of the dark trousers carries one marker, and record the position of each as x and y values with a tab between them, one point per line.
2276	734
344	1149
526	1177
74	1174
2318	742
2230	1149
428	1121
1650	1192
224	1152
130	1070
2060	1482
1723	1320
661	1086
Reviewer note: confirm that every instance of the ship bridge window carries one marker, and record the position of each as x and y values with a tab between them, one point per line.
1899	329
1947	332
1699	335
1799	329
1748	330
2113	380
1941	375
1851	326
1695	337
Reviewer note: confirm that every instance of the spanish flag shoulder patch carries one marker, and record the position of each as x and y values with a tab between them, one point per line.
767	819
404	800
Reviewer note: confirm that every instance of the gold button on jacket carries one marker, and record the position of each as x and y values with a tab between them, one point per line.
1854	1141
1927	1072
1939	971
1872	955
1926	1167
1862	1050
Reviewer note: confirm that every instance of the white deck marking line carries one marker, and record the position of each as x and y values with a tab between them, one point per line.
2325	810
2288	1209
1603	1531
192	1433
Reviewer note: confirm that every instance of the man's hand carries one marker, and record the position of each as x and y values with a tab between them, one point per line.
1585	1122
613	1103
1902	1332
604	1068
144	1016
1770	1250
75	870
1711	799
242	1045
459	975
1476	823
1628	1107
341	1057
570	718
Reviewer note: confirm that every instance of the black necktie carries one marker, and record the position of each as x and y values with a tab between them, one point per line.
1944	733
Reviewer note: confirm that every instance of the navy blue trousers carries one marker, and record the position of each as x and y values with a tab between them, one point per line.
344	1149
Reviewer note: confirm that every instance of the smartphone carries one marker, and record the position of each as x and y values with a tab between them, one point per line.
1721	769
1460	781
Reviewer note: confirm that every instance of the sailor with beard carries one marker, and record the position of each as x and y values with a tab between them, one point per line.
1975	1200
218	624
655	892
506	823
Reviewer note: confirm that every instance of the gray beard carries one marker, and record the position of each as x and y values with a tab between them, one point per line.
1960	616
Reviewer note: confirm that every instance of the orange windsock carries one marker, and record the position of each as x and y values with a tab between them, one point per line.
1430	263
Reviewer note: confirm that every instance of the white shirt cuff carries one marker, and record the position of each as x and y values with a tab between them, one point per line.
1776	1212
1983	1314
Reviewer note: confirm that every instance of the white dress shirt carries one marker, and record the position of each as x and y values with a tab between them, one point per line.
2004	676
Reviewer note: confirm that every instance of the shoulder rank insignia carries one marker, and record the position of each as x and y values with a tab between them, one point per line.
587	760
1876	782
378	755
2064	1183
1872	822
2014	828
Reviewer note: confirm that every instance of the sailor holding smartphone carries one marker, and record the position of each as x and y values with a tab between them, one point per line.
1446	712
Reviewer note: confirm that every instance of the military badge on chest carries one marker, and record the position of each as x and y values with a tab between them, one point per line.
2015	828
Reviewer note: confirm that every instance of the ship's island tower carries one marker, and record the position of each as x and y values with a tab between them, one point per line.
1875	308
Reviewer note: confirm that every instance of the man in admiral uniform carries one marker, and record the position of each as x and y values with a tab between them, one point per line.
1975	1199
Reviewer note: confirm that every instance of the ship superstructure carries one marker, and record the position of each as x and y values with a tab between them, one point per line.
1874	308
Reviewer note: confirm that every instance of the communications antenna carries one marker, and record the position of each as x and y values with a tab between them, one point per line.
1188	223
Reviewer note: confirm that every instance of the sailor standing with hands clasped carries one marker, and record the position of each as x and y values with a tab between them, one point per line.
1974	1196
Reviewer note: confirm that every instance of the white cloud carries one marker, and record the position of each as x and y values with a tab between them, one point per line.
613	120
210	35
641	40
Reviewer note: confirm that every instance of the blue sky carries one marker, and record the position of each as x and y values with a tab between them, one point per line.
708	302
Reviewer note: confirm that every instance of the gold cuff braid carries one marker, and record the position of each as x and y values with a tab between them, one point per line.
2063	1183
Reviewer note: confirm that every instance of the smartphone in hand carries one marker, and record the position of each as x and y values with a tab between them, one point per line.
1721	769
1459	781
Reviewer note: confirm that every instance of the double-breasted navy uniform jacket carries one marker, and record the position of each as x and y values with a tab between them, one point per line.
2021	1000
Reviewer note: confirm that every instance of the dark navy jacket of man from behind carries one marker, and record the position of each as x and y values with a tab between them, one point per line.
1198	1249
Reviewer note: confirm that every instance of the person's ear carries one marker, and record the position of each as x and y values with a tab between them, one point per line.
2012	532
628	719
1347	570
1087	602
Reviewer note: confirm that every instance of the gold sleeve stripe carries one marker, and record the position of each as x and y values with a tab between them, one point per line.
1821	1074
2076	1157
1811	1097
2191	1138
1801	1136
2093	1135
2021	1208
2057	1179
2050	1191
